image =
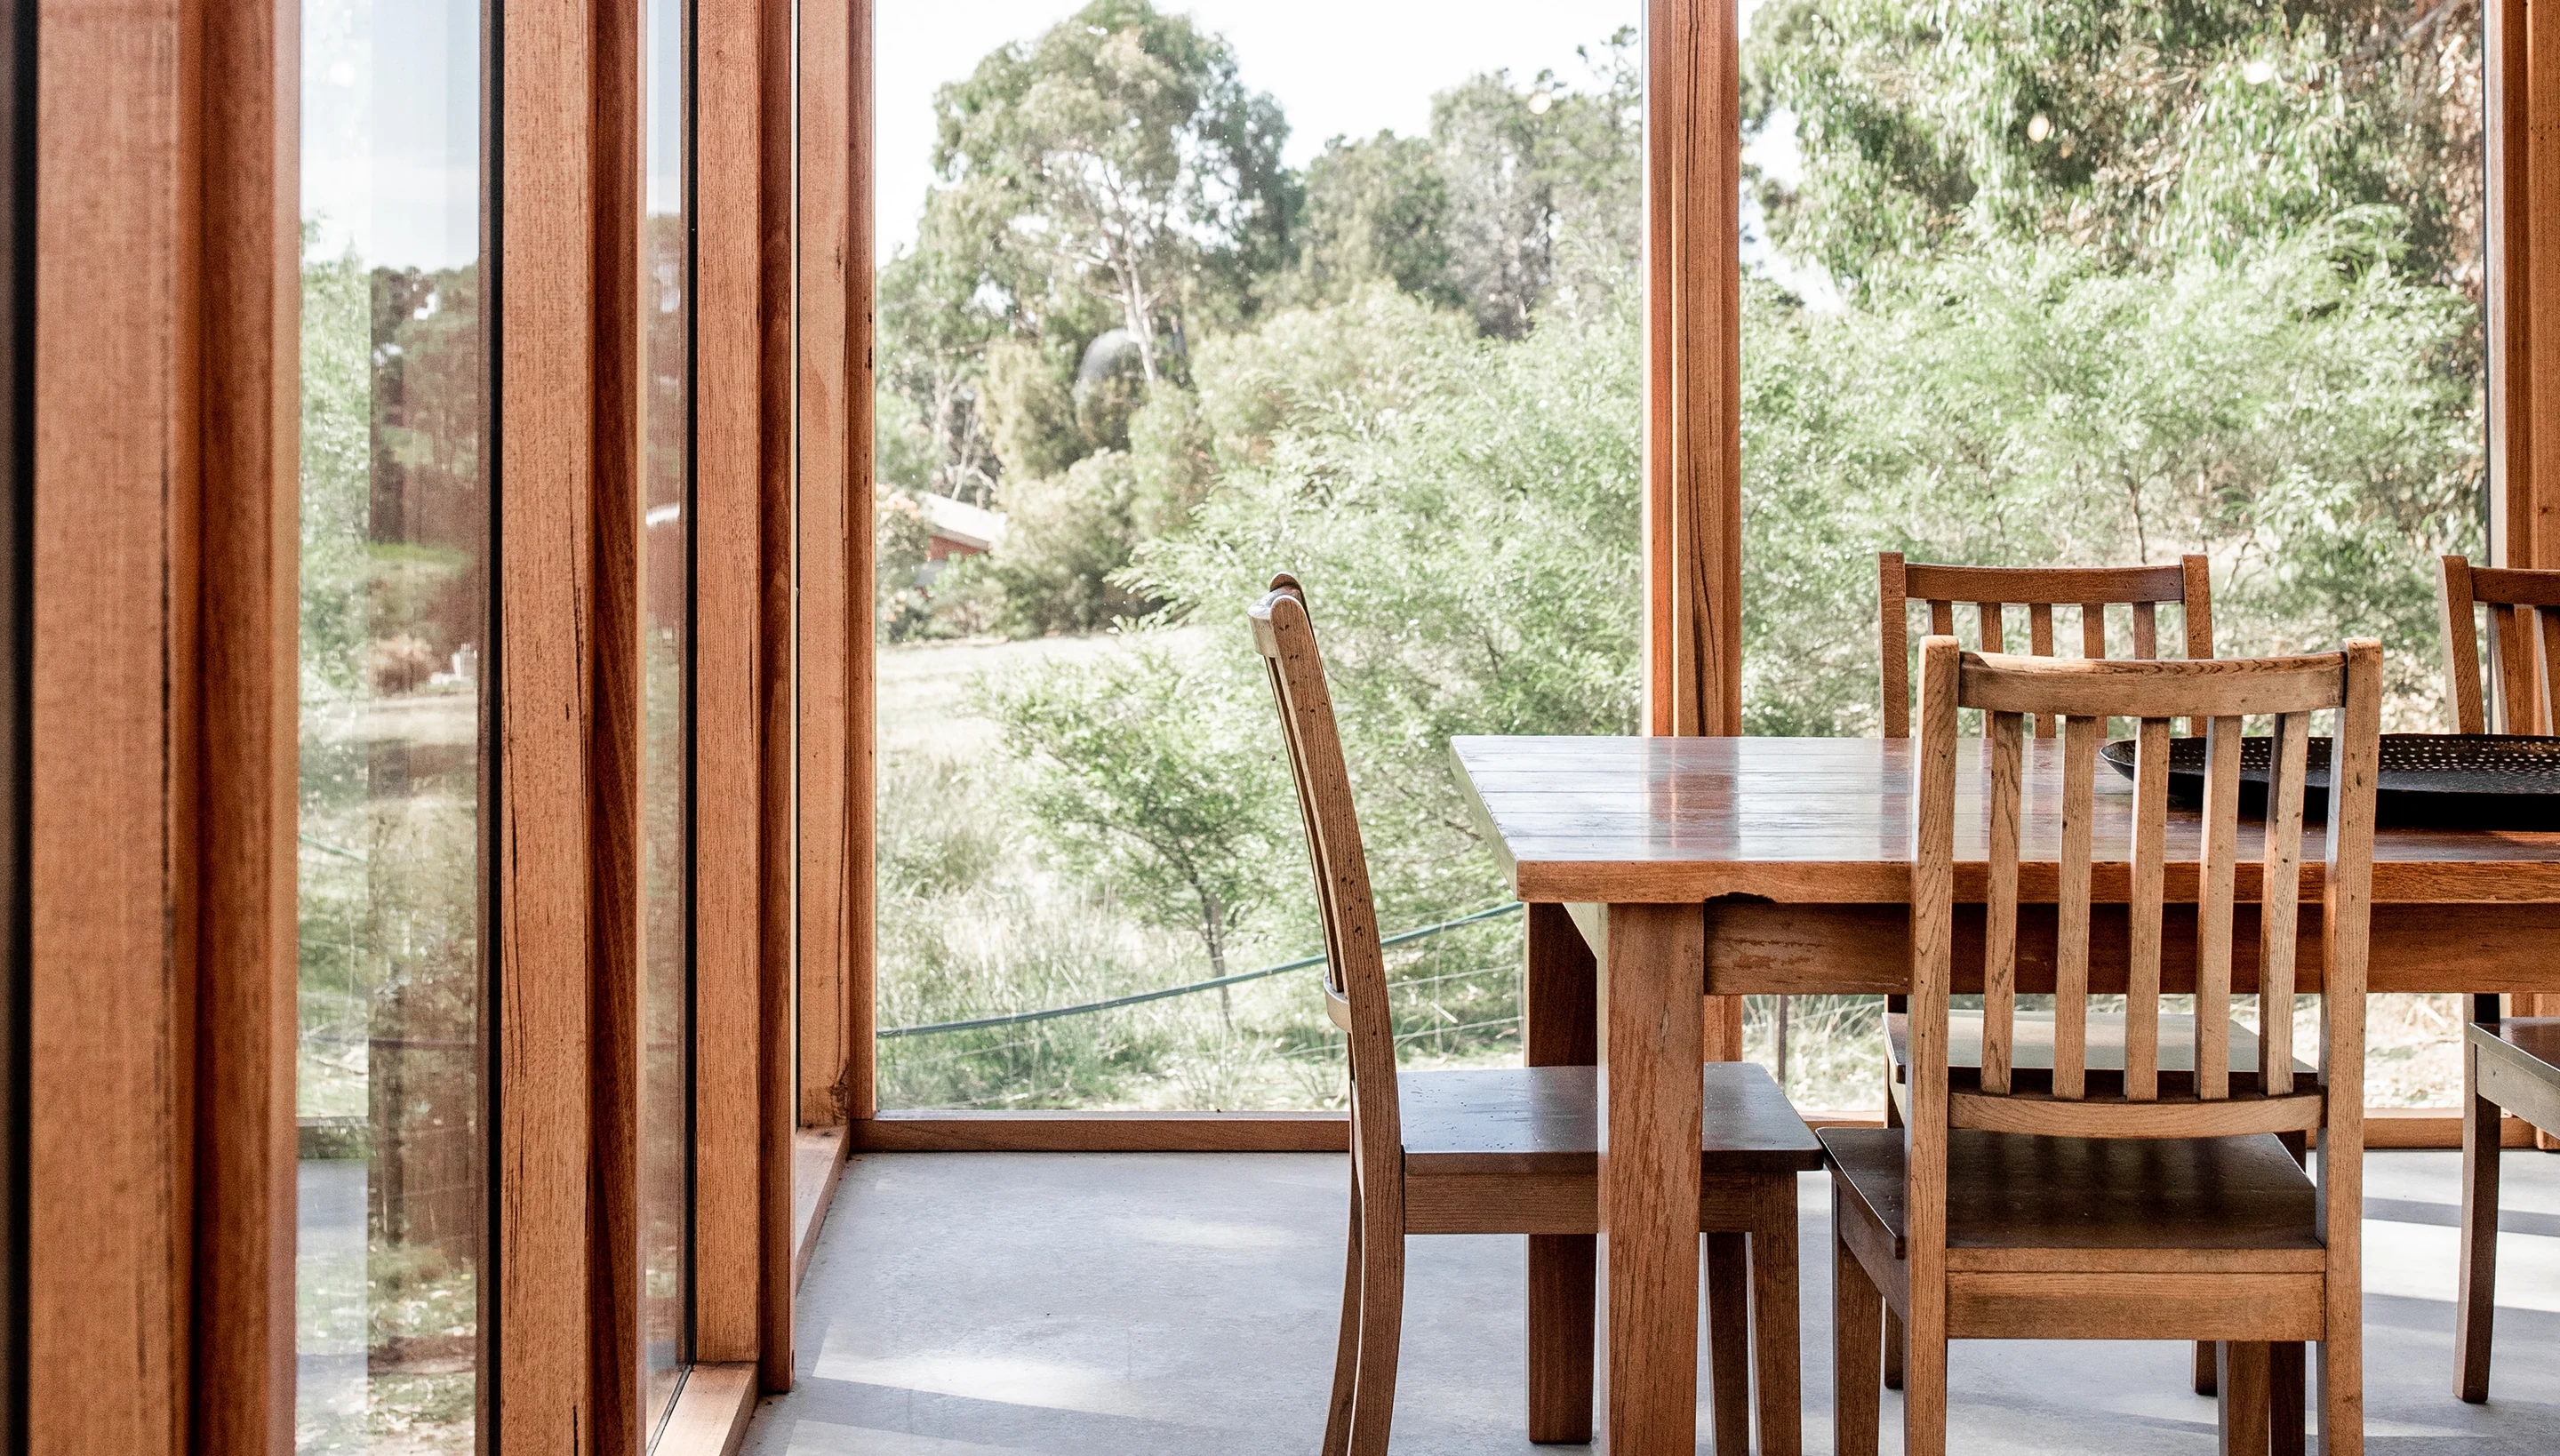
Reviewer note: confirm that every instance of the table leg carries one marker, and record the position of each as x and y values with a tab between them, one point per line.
1649	1113
1728	1337
1564	993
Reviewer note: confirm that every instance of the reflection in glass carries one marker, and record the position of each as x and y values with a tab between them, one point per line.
666	322
396	525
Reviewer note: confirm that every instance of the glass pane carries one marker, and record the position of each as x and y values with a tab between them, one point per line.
2106	282
666	317
395	526
1171	302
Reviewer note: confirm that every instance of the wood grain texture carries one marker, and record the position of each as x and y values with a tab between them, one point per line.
2458	630
826	616
2046	1305
1101	1132
620	1414
777	705
2533	523
1776	1337
547	590
711	1412
2000	953
2476	1268
1821	821
1857	1343
1649	1176
244	770
2280	914
817	1166
1692	518
2347	909
2040	589
1561	1029
862	1096
2509	113
2141	982
1727	1277
728	685
109	1152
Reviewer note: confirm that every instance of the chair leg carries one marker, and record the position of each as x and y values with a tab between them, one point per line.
1563	1273
2476	1279
1892	1321
1728	1337
2242	1378
2208	1360
2341	1389
1858	1337
1381	1331
1775	1338
2286	1410
1337	1416
1924	1385
1892	1350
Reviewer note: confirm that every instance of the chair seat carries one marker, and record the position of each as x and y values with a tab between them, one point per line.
2007	1192
1545	1120
2031	1043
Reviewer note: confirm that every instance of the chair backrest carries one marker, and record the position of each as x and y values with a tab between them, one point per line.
2211	1101
2523	646
2088	591
1355	964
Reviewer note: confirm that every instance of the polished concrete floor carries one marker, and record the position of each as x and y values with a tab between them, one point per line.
1104	1305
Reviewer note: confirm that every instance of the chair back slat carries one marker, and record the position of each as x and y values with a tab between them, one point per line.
2151	865
2522	694
2280	914
2080	739
2144	1100
2000	947
1992	591
1356	967
2546	651
2217	877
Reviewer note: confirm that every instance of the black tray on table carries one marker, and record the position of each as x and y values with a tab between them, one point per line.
2469	780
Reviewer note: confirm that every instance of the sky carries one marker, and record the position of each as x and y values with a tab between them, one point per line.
389	92
1339	67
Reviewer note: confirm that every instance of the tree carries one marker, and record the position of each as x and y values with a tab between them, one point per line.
1377	208
1120	150
1463	512
2149	133
1140	779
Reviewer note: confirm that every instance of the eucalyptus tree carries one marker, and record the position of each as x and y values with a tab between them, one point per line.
1119	155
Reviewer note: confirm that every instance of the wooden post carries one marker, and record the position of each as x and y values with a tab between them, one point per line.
862	1090
827	490
1692	624
729	667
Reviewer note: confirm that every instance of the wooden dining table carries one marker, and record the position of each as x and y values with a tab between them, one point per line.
1662	871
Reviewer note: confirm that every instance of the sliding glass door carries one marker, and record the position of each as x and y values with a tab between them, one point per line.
666	571
395	622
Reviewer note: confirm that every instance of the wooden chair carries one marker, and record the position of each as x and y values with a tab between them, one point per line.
2523	610
2147	1202
1513	1150
2510	1064
1992	591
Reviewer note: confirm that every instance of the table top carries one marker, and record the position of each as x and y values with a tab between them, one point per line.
1827	821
